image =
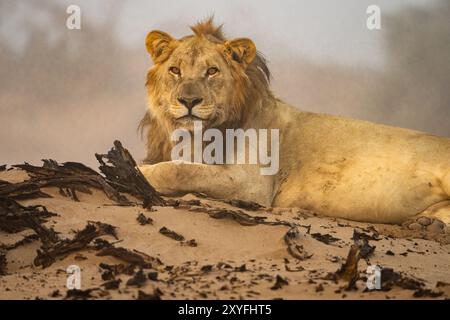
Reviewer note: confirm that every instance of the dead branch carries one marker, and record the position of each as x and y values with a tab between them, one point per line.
123	174
82	238
72	176
15	218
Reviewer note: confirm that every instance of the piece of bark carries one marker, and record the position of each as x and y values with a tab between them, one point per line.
106	228
138	279
189	243
280	282
100	243
143	220
171	234
115	269
239	216
247	205
181	203
133	257
48	254
325	238
122	172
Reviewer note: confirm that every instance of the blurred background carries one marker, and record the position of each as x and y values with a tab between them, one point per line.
66	94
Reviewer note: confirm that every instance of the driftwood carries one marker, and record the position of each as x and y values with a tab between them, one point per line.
138	279
236	215
134	257
21	190
124	175
181	203
81	239
15	218
71	176
280	282
171	234
143	220
239	216
111	271
325	238
118	166
247	205
121	175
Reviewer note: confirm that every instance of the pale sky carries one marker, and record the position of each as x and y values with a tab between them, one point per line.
323	30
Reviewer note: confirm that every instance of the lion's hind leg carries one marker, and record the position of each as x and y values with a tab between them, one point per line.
435	219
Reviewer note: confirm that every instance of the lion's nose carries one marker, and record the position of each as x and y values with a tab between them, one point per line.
190	102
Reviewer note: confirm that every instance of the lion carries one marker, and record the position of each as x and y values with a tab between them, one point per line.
334	166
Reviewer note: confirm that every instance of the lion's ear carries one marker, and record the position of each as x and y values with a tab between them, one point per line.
159	45
241	50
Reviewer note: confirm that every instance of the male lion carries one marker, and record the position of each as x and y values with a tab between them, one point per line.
334	166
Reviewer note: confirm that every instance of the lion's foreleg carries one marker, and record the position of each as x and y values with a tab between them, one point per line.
219	181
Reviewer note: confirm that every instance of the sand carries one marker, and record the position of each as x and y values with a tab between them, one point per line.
230	260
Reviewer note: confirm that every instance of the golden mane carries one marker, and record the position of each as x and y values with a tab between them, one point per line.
207	27
252	86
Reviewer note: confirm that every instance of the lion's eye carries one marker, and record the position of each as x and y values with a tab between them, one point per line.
212	71
175	70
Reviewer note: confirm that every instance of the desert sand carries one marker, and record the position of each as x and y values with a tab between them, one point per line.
219	257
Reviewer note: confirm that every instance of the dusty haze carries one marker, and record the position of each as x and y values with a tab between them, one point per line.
68	94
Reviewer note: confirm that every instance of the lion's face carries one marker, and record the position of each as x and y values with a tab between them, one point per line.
197	78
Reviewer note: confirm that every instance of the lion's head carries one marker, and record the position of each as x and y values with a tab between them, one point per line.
201	77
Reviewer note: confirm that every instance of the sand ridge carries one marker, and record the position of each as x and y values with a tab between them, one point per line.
219	257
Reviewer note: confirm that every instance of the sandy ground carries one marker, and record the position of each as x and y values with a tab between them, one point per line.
229	261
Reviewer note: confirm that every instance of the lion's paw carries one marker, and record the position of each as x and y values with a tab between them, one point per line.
427	224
